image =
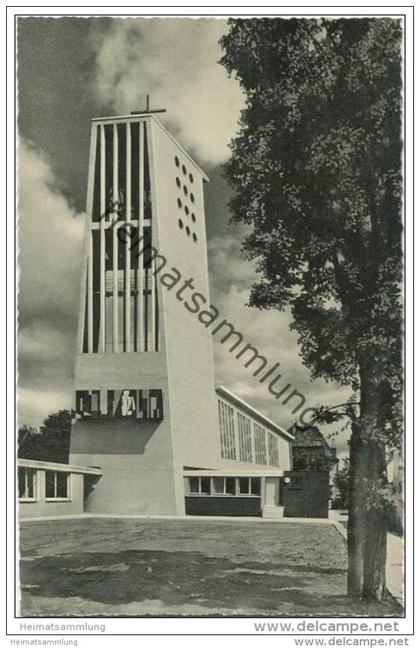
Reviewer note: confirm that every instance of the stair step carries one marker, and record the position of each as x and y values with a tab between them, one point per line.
273	512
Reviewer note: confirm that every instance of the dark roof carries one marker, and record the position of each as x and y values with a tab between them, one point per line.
311	437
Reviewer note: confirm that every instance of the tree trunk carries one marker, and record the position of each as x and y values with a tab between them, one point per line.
356	531
374	583
367	527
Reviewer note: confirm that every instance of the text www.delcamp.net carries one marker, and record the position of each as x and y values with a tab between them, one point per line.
369	642
336	628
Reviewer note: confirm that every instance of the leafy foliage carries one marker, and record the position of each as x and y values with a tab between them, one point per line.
50	443
341	482
316	169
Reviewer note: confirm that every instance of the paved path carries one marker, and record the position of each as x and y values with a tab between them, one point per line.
394	558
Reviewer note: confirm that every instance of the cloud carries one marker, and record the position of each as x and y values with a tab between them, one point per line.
35	405
231	277
50	260
175	61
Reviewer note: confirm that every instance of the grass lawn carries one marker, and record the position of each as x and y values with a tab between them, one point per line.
134	567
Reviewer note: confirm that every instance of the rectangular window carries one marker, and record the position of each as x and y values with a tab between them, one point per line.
56	485
273	450
250	486
255	486
230	486
194	484
219	485
260	445
199	485
244	485
27	484
205	485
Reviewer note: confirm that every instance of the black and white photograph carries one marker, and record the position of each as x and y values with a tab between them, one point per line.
211	318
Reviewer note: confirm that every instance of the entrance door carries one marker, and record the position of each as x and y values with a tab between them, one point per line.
272	491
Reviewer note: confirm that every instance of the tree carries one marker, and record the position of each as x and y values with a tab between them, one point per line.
316	169
50	443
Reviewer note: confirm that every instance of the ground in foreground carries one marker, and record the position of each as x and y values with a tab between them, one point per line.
133	567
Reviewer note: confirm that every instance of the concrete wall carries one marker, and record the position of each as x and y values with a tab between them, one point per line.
189	349
136	460
230	506
43	508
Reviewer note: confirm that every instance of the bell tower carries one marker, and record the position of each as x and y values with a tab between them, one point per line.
144	379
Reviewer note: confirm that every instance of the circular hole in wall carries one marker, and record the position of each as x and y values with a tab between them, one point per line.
179	202
193	217
177	161
184	170
195	237
192	198
186	210
191	177
181	224
178	182
187	229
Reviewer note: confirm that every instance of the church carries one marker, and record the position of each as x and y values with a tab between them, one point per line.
151	435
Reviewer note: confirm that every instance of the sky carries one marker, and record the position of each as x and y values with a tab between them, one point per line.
73	69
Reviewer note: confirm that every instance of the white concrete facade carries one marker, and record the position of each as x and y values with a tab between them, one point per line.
146	408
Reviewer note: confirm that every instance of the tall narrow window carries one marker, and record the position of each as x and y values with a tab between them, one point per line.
109	165
273	450
245	441
121	293
122	169
96	299
27	482
96	206
260	445
227	431
85	321
135	171
147	186
109	289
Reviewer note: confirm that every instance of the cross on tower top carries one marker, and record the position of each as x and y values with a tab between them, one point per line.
147	110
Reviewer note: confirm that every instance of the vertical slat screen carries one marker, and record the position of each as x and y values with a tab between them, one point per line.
127	291
140	322
115	239
102	239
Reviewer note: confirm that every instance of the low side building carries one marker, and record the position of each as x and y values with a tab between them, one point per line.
246	479
48	489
